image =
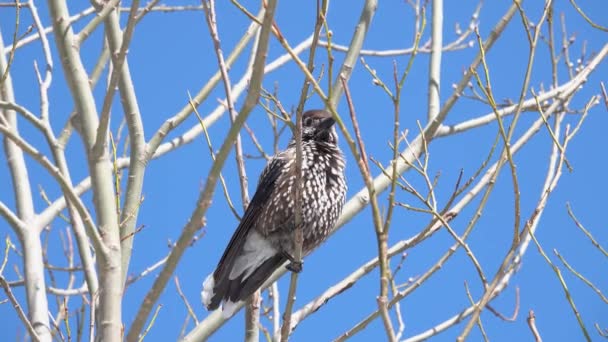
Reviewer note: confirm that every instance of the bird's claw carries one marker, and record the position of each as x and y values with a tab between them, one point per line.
295	266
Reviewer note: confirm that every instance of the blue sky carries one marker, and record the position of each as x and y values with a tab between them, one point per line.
171	55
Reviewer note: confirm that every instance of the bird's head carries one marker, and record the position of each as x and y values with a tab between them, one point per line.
318	125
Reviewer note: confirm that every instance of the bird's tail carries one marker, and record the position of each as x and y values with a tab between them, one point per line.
240	273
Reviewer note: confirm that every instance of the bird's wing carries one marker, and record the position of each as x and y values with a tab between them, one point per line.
256	207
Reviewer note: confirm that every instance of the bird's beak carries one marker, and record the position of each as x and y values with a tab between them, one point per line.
327	123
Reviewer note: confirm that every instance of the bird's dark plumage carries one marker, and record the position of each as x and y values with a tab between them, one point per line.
263	241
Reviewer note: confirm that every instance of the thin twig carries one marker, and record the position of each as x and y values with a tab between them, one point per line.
587	19
513	318
381	230
5	70
19	309
210	146
580	276
532	324
151	324
185	300
479	324
585	231
604	94
118	59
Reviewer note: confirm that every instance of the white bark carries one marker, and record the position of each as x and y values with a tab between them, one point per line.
30	240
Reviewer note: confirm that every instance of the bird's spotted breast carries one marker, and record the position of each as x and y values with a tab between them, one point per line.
323	195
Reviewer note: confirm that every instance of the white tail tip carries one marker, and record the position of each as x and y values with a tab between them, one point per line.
207	292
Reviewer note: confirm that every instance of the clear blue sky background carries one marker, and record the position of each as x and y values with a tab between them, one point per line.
172	54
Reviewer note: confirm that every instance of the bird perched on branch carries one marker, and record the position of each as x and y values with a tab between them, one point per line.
264	239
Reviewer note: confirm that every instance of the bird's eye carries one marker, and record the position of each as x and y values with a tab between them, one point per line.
308	121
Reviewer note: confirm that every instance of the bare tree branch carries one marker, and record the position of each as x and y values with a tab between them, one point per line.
30	240
532	324
101	176
435	64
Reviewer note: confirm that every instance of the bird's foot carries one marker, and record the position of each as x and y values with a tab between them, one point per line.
293	266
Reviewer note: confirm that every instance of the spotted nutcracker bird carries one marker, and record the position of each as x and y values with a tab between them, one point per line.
264	239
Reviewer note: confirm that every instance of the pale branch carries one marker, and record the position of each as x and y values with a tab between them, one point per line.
102	14
425	48
58	152
604	94
44	41
147	271
450	322
531	103
79	85
11	218
29	116
14	155
118	52
442	326
252	317
30	238
354	50
532	324
83	289
435	60
49	29
506	155
150	7
276	311
57	149
119	43
101	175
